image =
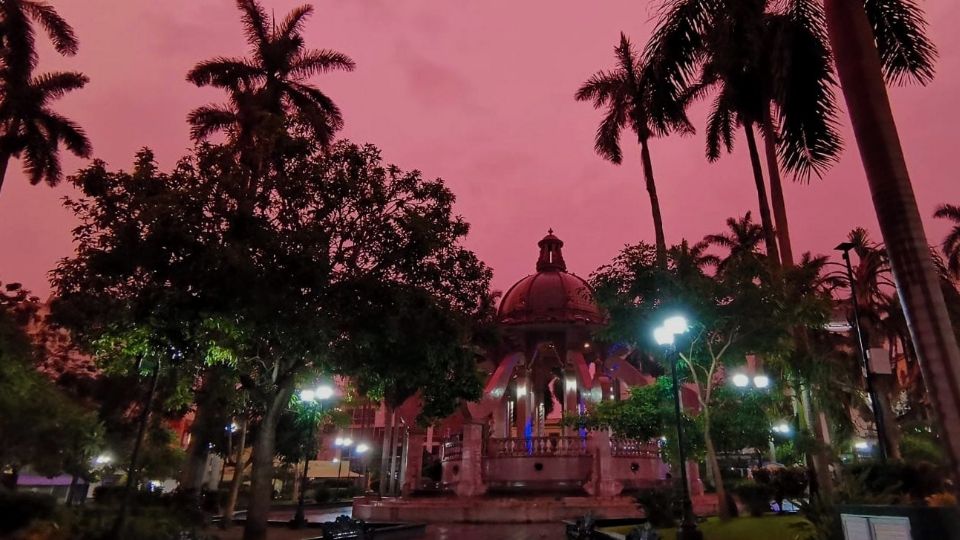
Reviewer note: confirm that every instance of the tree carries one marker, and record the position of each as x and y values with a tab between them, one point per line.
633	98
270	88
770	67
873	41
273	292
28	127
40	426
951	244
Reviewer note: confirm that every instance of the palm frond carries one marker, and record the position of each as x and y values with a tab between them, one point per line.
313	62
600	88
948	211
223	72
677	45
293	23
721	123
61	128
39	156
804	90
254	19
209	119
607	140
899	29
60	32
55	85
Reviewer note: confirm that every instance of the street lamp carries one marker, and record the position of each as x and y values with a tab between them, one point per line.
308	397
341	443
664	336
845	247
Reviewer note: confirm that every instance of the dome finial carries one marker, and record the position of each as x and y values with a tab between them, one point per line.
550	230
551	254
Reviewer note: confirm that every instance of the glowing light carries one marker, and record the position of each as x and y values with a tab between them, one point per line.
103	459
782	428
663	336
324	391
740	380
307	395
338	441
347	441
361	448
571	384
761	381
335	460
521	390
586	345
862	445
676	324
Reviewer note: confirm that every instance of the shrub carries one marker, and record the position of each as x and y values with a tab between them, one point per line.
900	481
17	510
658	505
784	483
755	496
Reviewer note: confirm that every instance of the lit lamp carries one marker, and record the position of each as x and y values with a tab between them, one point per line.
308	397
665	335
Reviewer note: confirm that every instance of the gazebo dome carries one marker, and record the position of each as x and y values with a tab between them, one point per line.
551	295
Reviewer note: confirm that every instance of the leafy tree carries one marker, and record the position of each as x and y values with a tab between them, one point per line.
634	98
40	426
28	127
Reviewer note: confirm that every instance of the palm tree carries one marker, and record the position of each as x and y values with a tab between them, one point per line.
28	127
633	98
742	239
769	69
874	42
269	89
951	244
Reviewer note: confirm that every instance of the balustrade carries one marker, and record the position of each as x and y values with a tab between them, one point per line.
537	447
634	448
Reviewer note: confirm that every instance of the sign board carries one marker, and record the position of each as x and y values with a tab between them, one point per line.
875	527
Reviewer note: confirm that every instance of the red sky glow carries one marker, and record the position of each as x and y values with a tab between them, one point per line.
479	93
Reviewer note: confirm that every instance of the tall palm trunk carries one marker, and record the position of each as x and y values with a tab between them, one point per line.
4	163
261	476
237	480
861	78
387	451
770	239
654	203
776	192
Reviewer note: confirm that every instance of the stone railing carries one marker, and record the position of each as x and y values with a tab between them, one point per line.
537	447
452	450
634	448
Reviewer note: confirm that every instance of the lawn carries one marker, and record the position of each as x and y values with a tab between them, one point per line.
744	528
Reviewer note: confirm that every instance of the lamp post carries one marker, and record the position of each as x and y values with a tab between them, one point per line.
864	354
664	335
341	443
307	398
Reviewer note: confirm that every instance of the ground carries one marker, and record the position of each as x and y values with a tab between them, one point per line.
744	528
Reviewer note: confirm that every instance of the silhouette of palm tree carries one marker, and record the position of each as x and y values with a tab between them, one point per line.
269	89
633	99
951	244
29	128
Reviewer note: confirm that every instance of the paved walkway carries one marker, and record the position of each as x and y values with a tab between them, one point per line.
437	531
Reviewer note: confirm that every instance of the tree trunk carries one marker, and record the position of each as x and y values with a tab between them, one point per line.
387	449
4	163
237	480
770	239
121	523
205	421
714	466
654	204
861	78
884	387
776	192
395	459
817	457
261	476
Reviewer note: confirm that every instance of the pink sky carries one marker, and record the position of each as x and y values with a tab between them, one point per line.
479	93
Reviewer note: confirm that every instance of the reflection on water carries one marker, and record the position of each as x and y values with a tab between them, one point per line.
499	531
